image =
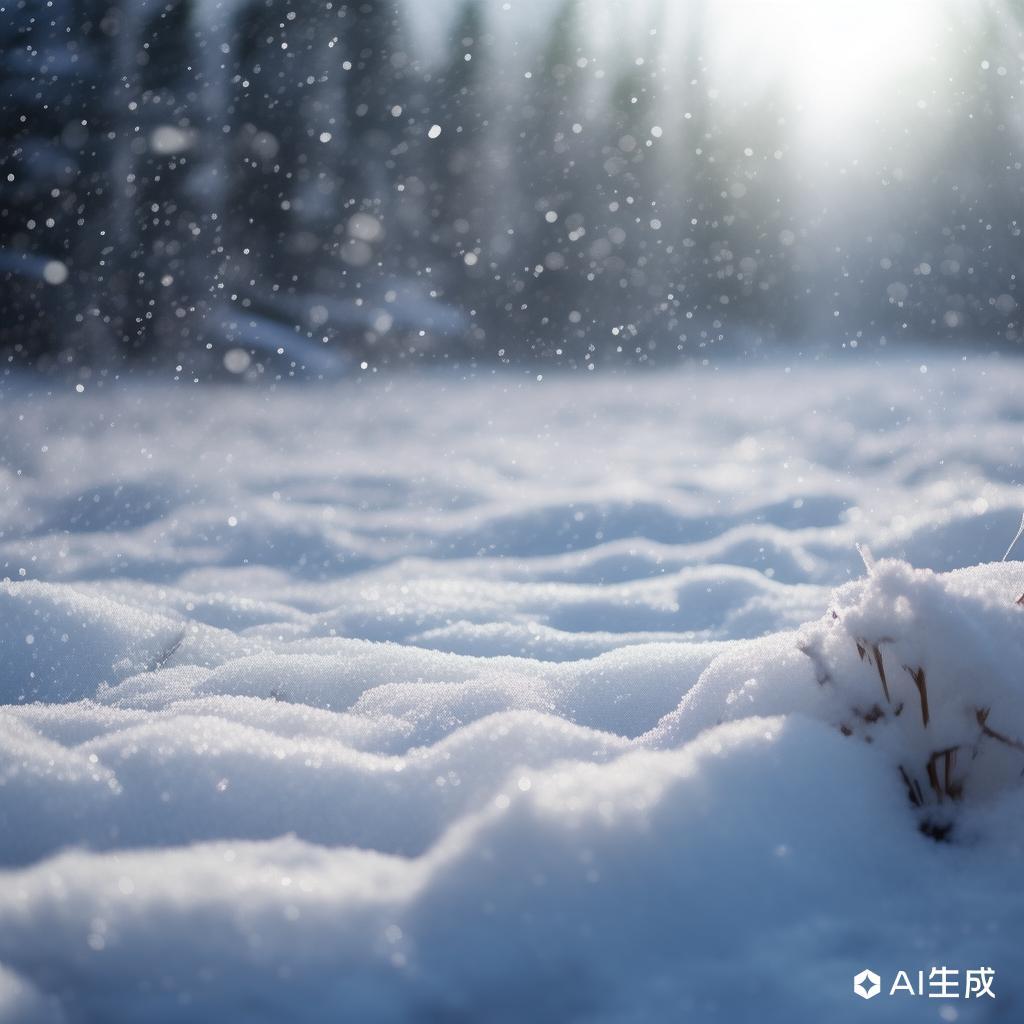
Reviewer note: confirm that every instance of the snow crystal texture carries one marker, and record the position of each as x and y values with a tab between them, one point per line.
497	699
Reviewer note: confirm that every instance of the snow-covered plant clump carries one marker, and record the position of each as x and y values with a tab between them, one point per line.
933	675
924	668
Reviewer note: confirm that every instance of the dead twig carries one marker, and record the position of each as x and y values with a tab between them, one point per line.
947	786
881	672
933	778
917	674
953	788
982	715
914	799
863	646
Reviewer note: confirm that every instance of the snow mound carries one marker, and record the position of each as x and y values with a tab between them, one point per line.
554	872
925	667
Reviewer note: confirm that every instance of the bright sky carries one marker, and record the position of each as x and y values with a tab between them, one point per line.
845	62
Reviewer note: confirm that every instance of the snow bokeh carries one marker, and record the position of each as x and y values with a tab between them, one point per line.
555	702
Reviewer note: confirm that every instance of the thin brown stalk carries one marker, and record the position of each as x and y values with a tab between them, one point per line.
910	787
917	674
947	786
987	730
933	777
881	672
953	788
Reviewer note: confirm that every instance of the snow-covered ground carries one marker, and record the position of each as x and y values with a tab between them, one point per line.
498	699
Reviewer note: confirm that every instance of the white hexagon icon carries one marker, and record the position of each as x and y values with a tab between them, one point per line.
867	984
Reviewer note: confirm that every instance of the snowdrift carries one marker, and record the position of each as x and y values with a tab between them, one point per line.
606	779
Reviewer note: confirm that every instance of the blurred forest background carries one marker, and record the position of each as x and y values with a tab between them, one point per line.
284	184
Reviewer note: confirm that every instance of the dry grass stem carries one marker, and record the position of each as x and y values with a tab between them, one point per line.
917	674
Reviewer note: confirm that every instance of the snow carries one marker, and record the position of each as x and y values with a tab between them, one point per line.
432	698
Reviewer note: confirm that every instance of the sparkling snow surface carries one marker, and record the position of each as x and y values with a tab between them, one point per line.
437	699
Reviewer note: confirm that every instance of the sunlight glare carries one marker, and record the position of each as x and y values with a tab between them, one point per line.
839	60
